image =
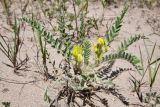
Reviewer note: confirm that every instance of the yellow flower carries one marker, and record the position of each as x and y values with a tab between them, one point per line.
101	41
77	53
95	48
79	58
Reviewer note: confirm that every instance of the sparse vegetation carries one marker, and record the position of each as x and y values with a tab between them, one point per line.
78	59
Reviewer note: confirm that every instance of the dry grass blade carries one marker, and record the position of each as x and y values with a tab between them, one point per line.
149	59
5	47
158	59
154	74
141	60
25	7
12	50
136	85
152	71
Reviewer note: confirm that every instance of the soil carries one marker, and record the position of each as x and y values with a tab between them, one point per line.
27	89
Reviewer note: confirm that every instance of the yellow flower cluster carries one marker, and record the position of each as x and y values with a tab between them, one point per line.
100	48
77	53
101	42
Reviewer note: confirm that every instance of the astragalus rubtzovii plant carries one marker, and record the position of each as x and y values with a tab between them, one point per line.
82	83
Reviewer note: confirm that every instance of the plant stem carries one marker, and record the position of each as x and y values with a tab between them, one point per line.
75	14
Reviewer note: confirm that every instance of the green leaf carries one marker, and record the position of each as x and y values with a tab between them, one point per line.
87	51
46	97
78	2
125	56
59	44
113	32
126	43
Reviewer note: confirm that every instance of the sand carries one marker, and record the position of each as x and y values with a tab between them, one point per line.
27	89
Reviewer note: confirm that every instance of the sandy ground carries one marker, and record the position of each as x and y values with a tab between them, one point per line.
21	91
